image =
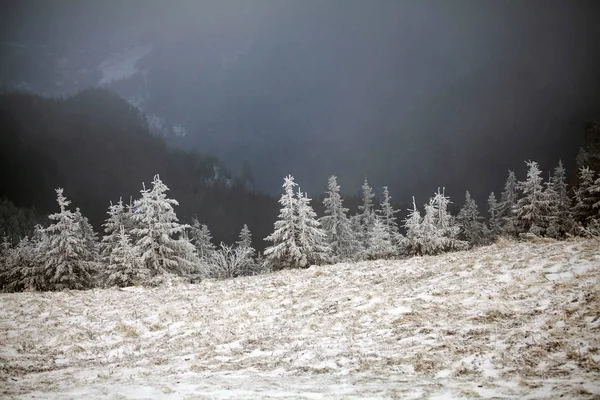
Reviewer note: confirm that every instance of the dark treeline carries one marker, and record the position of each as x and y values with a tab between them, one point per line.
98	147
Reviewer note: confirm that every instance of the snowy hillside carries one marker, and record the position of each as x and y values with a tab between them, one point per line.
514	320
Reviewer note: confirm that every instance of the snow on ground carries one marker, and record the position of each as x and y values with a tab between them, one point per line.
513	320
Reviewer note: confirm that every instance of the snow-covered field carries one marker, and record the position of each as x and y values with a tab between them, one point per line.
514	320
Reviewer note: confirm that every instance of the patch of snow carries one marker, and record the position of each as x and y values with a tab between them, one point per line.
434	327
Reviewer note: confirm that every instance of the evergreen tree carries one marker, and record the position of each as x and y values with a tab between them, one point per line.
340	235
412	225
124	266
441	218
431	238
89	236
508	201
201	237
5	249
595	194
380	242
532	211
367	213
249	266
446	237
583	210
67	262
472	229
21	271
561	222
493	211
311	238
387	215
159	235
245	238
285	252
112	225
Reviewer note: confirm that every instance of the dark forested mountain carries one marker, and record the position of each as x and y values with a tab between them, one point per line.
98	148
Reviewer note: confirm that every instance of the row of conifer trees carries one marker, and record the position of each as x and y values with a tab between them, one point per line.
144	242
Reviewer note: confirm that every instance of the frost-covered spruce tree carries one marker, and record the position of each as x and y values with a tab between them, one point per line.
444	222
472	228
494	213
432	238
285	253
89	236
562	223
380	242
112	225
158	233
508	201
412	225
124	265
201	237
340	236
441	217
5	248
28	263
249	266
67	262
583	210
366	213
20	269
595	192
387	215
245	237
311	238
533	208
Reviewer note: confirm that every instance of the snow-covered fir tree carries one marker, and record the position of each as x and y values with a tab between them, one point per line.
380	242
444	222
158	234
67	262
561	223
112	224
20	269
201	237
412	225
366	213
245	237
595	192
311	238
387	215
5	248
30	255
494	215
585	198
440	203
432	240
249	266
472	228
285	253
124	266
532	210
508	201
340	235
89	236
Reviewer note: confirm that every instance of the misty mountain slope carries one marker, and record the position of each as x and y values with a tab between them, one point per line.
98	148
514	320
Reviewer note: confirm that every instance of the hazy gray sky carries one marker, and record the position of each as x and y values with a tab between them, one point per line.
412	94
